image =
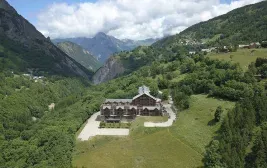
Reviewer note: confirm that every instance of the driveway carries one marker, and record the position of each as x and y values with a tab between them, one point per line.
163	124
91	129
170	120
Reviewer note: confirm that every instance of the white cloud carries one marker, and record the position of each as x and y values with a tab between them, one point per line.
133	19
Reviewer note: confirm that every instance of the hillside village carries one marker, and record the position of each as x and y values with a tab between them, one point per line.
226	49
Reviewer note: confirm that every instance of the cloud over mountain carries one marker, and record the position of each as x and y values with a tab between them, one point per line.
133	19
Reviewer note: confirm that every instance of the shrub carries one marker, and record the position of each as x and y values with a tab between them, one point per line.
218	113
102	124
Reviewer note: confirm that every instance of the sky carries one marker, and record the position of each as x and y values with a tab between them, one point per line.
123	19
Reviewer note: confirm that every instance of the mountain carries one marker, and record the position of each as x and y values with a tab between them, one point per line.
241	26
103	46
22	47
80	55
133	44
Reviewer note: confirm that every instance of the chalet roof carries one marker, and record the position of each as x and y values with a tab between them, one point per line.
132	107
145	94
106	107
117	107
151	107
119	100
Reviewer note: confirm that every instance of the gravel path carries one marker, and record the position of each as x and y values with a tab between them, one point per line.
91	129
163	124
170	120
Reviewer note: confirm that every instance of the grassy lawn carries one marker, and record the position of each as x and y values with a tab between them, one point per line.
242	56
181	145
195	126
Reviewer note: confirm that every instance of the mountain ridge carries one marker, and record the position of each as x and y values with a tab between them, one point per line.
103	46
34	51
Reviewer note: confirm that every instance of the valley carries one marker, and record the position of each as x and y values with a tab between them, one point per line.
102	46
48	93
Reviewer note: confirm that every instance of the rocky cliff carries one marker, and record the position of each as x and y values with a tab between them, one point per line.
112	68
36	51
82	56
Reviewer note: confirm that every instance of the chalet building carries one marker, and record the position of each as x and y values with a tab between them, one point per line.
143	104
250	46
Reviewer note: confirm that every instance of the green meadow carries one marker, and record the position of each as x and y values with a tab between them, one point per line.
242	56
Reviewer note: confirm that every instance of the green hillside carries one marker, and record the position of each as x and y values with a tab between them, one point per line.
80	55
240	26
242	56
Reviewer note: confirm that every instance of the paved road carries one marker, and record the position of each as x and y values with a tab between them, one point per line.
91	129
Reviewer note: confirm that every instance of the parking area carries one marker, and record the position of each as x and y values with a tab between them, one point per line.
92	129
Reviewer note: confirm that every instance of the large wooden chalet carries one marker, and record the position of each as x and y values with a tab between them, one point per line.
143	104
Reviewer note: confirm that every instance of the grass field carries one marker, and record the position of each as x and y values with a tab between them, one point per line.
243	56
181	145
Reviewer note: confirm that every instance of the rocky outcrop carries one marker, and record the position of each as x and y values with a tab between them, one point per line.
36	50
112	68
80	55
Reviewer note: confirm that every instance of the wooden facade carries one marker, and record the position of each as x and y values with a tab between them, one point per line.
141	105
144	100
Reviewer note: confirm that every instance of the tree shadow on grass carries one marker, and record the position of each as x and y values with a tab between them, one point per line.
212	122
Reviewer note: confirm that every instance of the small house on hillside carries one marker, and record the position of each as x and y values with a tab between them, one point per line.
255	45
192	52
243	46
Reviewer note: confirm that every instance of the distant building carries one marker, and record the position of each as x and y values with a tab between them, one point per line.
243	46
206	50
255	45
143	104
192	52
27	75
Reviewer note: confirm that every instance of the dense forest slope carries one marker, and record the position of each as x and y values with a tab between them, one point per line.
82	56
244	25
103	45
23	47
